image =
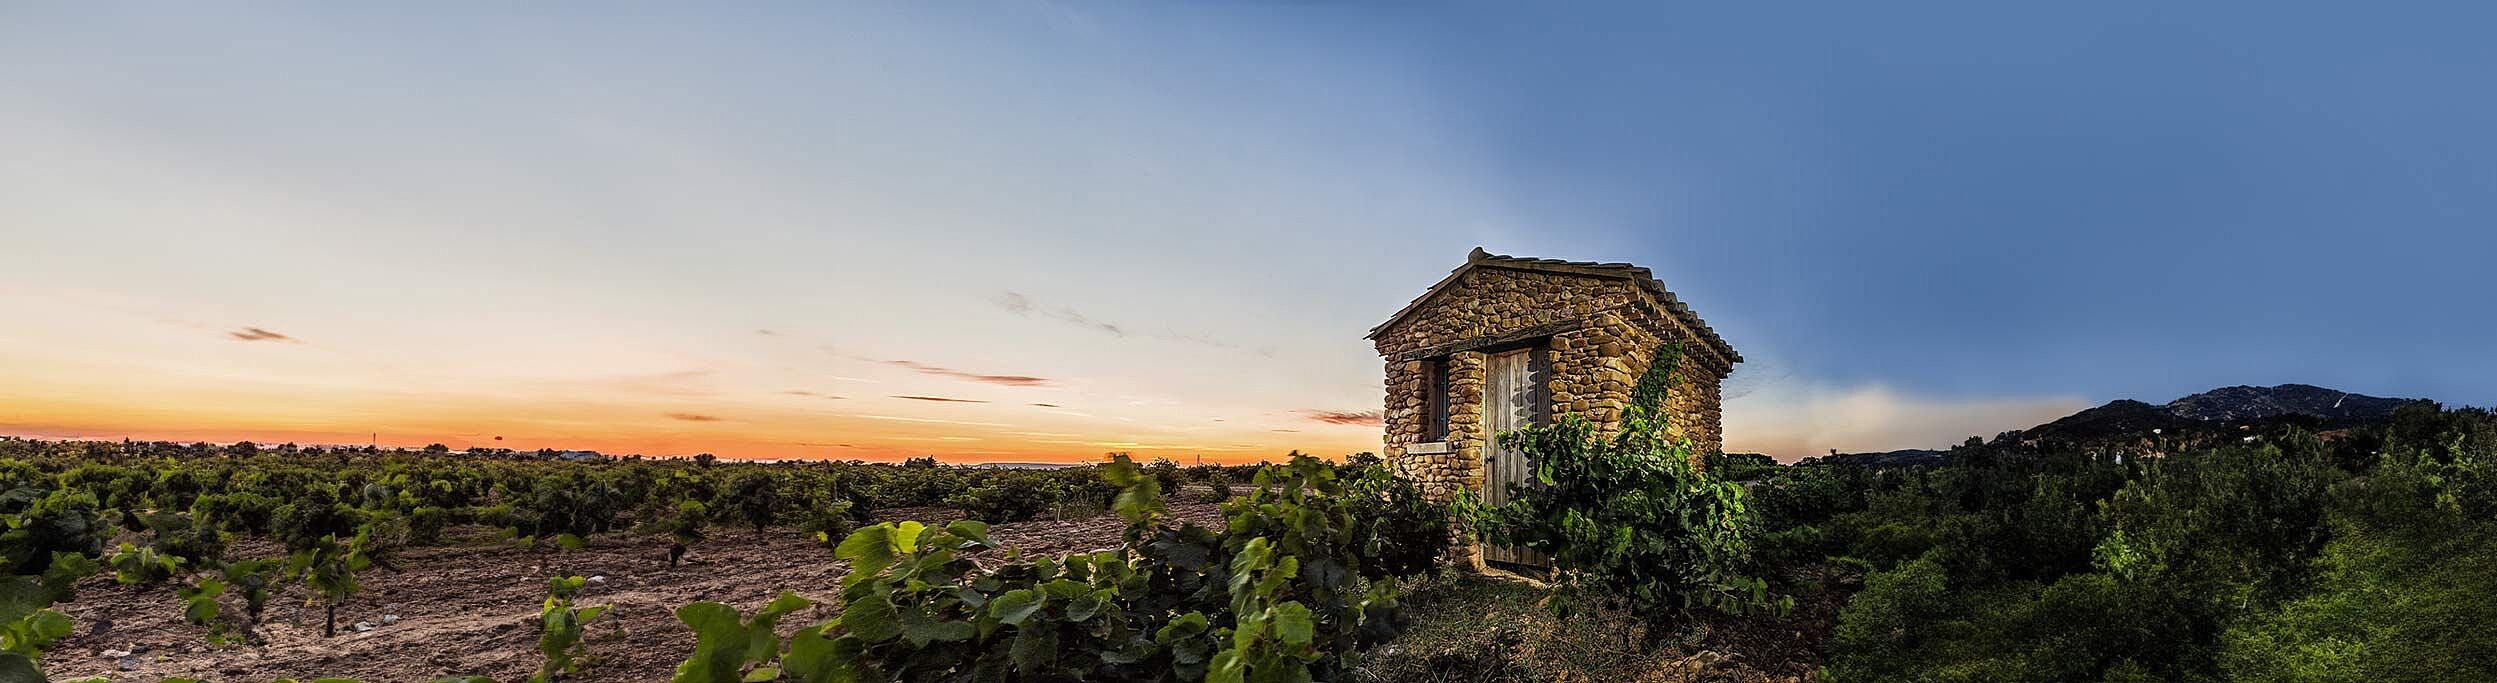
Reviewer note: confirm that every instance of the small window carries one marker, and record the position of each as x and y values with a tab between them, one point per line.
1435	400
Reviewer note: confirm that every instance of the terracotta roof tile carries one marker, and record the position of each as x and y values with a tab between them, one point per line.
1645	278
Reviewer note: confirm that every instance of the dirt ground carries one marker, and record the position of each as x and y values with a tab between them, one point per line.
471	609
1475	629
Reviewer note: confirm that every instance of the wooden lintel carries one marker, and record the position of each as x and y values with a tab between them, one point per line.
1535	332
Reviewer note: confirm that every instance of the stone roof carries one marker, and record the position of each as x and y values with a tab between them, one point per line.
1644	278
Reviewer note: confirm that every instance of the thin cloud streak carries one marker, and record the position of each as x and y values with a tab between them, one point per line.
258	334
942	371
1018	304
939	399
932	420
1365	418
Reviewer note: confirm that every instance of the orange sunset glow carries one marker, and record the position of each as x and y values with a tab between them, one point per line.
195	383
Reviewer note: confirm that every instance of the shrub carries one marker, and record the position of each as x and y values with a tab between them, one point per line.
1166	474
1398	531
60	523
755	497
142	565
1273	597
28	625
685	528
313	515
1627	521
560	625
1003	499
829	524
425	524
329	570
240	512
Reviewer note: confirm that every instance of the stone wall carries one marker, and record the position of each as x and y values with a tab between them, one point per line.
1597	334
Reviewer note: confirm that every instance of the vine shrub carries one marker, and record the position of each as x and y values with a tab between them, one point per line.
329	569
1274	596
560	625
28	624
729	648
1398	531
685	529
1628	521
829	523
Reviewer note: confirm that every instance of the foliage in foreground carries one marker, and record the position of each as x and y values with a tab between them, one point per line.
2271	555
1628	521
1276	595
560	625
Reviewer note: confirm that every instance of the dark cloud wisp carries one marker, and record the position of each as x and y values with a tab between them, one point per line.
1018	304
1371	418
257	334
942	371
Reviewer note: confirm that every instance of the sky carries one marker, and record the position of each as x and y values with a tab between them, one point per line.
1042	231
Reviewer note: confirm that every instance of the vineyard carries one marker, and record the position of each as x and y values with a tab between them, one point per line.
2239	552
165	560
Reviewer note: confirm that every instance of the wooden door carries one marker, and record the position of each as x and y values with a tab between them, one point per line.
1512	398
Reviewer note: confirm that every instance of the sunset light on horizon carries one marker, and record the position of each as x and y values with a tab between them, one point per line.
1045	232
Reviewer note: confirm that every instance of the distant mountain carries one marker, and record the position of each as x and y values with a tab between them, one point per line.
2121	416
2129	423
2314	406
2241	403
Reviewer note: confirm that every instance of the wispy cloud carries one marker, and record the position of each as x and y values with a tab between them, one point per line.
1045	405
931	420
258	334
1023	305
942	371
811	394
1018	304
1371	418
939	399
694	417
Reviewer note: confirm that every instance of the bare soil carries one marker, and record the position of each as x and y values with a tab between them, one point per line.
1478	629
471	609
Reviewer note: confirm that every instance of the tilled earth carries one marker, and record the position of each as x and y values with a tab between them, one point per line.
472	609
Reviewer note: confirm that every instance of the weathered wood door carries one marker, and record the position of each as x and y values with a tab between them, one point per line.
1512	398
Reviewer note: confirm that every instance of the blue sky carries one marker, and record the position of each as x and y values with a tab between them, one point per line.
1164	227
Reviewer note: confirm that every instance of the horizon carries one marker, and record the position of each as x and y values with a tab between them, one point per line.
1098	459
1041	232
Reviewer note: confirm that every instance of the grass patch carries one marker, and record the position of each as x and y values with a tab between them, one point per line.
1477	629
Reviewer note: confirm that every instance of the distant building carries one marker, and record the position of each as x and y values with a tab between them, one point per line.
1504	342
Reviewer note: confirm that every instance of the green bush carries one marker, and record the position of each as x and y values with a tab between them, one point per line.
2405	585
1627	521
312	515
1275	596
1002	500
1398	531
560	626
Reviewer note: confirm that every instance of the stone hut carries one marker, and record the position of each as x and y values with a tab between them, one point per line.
1505	341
